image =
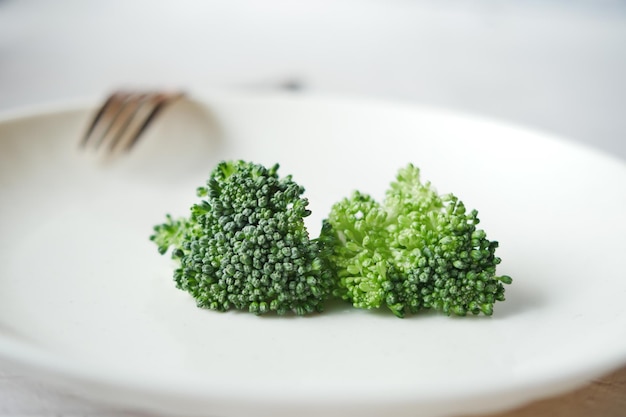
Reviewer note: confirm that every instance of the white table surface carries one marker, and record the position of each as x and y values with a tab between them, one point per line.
555	66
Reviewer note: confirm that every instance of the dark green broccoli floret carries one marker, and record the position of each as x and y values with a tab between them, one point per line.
245	245
417	250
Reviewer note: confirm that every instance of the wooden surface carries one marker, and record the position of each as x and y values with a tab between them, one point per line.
604	397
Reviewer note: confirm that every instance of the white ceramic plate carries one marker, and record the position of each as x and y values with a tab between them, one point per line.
86	301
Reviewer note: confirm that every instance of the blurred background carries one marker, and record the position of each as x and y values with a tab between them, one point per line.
553	65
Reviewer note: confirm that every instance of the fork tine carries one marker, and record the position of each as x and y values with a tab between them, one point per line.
109	110
149	108
119	126
124	117
157	103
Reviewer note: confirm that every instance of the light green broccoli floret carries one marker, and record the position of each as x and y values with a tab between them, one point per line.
245	245
416	250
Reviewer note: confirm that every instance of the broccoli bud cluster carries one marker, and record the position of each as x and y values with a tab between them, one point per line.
417	250
246	247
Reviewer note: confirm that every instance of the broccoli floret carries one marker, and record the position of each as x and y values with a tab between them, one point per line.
355	240
417	250
245	245
171	233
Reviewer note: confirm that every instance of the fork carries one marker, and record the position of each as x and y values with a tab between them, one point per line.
123	118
